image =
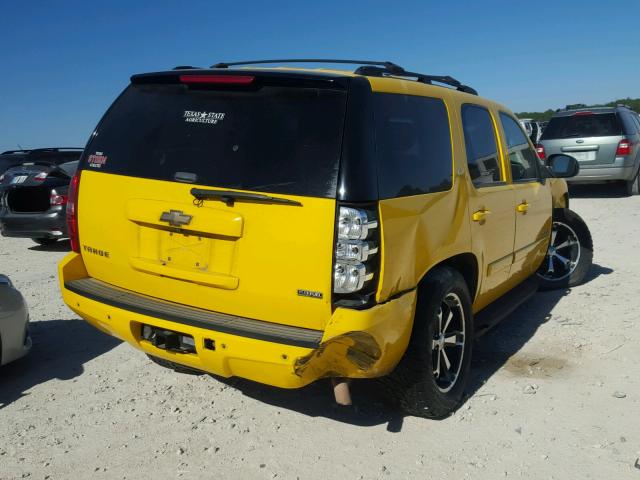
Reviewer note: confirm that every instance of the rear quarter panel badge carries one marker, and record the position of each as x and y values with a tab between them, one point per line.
309	293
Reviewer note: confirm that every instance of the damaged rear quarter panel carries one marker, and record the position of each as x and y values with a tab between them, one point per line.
362	343
419	232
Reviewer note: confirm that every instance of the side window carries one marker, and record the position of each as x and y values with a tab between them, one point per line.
523	160
480	143
413	145
629	122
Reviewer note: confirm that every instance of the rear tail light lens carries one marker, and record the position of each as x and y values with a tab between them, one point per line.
355	250
353	224
56	199
540	151
624	147
72	212
349	277
40	176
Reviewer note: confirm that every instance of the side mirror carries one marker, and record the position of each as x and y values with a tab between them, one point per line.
563	166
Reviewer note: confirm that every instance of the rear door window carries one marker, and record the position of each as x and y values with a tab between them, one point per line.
274	139
630	127
481	146
413	145
583	124
523	160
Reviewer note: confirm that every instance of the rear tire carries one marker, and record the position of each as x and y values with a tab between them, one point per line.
428	383
175	366
45	241
633	186
570	240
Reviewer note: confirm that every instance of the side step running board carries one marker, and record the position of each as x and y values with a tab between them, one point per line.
492	314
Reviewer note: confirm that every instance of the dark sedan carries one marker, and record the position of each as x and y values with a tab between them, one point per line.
33	201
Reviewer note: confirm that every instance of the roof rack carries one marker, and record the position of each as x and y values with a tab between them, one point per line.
36	150
372	68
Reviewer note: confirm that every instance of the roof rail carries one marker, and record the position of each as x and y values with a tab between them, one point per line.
388	65
372	68
420	77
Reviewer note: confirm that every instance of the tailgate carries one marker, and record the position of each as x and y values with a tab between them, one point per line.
248	259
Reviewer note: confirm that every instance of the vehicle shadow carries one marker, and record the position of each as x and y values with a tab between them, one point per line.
371	407
598	190
60	349
59	246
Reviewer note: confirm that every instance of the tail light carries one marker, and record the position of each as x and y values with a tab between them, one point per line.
72	212
624	148
40	176
540	151
56	199
356	260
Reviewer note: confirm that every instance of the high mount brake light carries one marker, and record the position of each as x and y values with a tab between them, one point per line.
579	114
72	212
218	79
624	147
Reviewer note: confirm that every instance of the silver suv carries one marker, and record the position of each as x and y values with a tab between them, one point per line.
604	140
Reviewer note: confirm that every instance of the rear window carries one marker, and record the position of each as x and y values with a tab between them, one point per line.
413	145
276	139
583	125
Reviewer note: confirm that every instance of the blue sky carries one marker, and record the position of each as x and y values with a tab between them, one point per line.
64	62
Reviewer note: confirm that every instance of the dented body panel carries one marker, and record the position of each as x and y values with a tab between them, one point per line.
355	344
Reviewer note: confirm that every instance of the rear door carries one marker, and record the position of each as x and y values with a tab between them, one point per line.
591	138
245	257
533	201
491	202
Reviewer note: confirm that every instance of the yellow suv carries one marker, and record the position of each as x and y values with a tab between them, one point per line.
286	225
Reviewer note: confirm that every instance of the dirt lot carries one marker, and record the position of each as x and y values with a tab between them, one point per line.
555	393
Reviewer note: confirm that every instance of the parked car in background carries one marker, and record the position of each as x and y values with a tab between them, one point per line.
604	140
532	128
33	201
56	155
14	321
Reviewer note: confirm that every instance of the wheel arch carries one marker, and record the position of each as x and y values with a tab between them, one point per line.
464	263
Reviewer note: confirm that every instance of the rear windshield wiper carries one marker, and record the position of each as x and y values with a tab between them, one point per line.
230	197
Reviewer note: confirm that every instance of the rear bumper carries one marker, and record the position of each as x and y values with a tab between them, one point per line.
355	343
49	224
604	174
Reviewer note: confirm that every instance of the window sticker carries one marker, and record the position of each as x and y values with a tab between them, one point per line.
97	160
203	117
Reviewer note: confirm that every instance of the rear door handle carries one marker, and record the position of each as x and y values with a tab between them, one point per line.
480	215
523	207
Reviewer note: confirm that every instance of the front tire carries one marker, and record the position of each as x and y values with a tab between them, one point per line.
570	252
431	378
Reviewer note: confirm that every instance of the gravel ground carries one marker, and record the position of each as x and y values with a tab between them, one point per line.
554	393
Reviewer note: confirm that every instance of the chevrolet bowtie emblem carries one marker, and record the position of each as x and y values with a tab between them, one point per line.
175	218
